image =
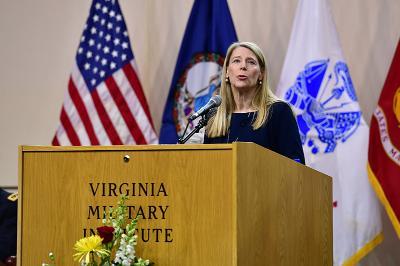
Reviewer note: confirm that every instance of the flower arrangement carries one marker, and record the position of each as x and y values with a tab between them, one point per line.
116	236
111	238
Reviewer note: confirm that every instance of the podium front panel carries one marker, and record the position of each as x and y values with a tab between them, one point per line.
184	196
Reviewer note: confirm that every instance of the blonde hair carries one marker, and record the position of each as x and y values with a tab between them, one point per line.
263	99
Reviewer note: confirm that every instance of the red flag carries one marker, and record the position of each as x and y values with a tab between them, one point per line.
105	103
384	144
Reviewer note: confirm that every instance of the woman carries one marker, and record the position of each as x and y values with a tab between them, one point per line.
249	111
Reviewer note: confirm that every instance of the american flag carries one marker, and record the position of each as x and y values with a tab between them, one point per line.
105	104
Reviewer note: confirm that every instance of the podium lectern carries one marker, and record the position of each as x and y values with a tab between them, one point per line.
225	204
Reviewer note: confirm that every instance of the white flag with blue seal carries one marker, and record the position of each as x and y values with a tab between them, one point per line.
316	81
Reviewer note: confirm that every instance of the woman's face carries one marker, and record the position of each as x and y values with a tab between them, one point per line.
243	69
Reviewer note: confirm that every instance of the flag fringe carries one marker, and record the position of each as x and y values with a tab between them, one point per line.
367	248
382	197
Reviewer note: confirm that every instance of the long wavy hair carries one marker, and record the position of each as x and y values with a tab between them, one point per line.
263	99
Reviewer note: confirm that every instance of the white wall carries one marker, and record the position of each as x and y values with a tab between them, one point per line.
39	40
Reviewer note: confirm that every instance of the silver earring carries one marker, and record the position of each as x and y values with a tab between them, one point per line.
227	79
260	81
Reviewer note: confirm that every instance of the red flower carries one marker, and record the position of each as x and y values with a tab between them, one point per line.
106	232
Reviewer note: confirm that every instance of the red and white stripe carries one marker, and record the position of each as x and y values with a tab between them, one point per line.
115	112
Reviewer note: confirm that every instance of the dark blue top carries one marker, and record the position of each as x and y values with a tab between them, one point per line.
280	133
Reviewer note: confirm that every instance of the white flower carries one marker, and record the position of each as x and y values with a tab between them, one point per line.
129	249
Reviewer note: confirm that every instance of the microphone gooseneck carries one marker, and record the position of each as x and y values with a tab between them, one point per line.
205	112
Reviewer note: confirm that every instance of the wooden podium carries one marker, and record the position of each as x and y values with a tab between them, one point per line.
226	204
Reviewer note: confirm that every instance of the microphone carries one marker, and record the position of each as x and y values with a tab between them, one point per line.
215	101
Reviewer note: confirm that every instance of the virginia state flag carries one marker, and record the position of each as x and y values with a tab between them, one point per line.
384	144
208	34
316	81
